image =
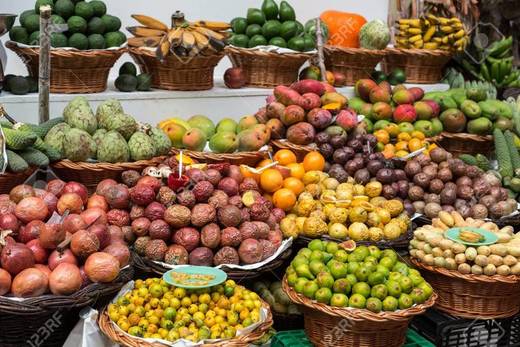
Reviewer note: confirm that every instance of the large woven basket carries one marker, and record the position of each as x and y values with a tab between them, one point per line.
464	143
48	320
238	158
10	180
72	71
419	65
337	326
117	336
177	73
90	174
354	63
267	69
473	296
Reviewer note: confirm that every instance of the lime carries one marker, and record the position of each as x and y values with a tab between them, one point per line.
240	40
374	304
390	303
271	28
379	291
323	295
339	300
357	301
239	25
253	29
278	41
361	288
255	16
288	29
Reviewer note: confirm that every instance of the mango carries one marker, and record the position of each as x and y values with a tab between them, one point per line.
203	123
329	98
224	142
194	139
250	140
175	132
246	122
227	125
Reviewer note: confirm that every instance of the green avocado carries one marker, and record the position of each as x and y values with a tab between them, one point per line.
270	9
19	34
278	41
271	28
96	26
144	82
96	41
286	12
397	76
240	40
115	39
24	16
78	41
126	83
77	25
64	8
257	40
253	29
288	30
34	38
18	85
99	8
239	25
255	16
59	40
32	23
296	44
84	10
128	68
112	23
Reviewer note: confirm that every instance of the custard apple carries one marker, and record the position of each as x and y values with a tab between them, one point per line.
78	114
162	142
141	146
113	148
122	123
78	145
99	135
55	136
106	110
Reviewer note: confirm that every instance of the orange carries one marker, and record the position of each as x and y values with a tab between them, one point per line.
401	145
297	170
264	162
247	173
284	198
418	135
285	157
294	184
271	180
415	144
403	137
382	136
313	161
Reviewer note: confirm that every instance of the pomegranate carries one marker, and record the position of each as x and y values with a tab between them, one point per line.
21	192
40	254
94	215
55	187
30	283
120	251
31	208
76	188
73	222
154	211
16	257
97	201
102	267
5	282
51	201
140	226
83	243
65	279
101	232
8	221
56	258
51	235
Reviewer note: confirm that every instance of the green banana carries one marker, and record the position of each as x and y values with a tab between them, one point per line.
484	71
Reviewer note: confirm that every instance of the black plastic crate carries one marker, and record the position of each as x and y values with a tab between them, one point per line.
449	331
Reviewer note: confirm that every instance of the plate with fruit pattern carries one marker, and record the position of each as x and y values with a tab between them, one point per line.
193	277
471	236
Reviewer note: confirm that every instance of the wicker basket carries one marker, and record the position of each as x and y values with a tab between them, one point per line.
47	320
420	65
299	150
267	69
185	73
72	71
354	63
464	143
10	180
473	296
117	336
334	326
246	158
90	174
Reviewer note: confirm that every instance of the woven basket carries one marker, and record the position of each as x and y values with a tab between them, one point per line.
117	336
419	65
72	71
464	143
334	326
299	150
10	180
354	63
48	320
90	174
267	69
246	158
473	296
192	73
146	267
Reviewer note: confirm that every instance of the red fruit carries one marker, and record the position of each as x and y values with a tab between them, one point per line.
56	258
73	222
381	110
142	195
20	192
363	88
379	94
386	86
417	93
435	107
31	208
51	235
405	113
55	187
97	201
347	119
319	118
154	211
94	216
16	257
39	253
234	78
312	100
423	110
118	217
102	187
117	196
120	252
78	188
8	221
403	96
151	182
340	80
102	234
71	202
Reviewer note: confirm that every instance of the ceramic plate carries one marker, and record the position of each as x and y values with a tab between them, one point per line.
193	277
489	237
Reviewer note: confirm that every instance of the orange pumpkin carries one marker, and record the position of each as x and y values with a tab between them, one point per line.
343	27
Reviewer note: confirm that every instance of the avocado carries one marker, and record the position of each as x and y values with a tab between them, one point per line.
144	82
64	8
77	24
78	41
253	29
128	68
255	16
271	28
126	83
99	8
397	76
40	3
24	16
296	44
32	23
84	10
288	30
300	28
286	12
18	85
239	25
480	126
270	9
278	41
257	40
33	84
96	26
34	38
59	40
378	76
112	23
96	41
55	19
115	39
309	43
19	34
6	84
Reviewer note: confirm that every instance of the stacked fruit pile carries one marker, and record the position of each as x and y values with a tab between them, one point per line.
129	81
375	280
275	26
227	136
154	309
109	136
217	217
20	85
88	25
312	72
431	247
39	254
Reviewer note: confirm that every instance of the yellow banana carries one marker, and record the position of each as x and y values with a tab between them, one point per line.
433	19
202	41
447	29
429	34
210	33
460	43
403	27
460	34
402	41
212	25
445	40
437	39
444	21
454	20
415	38
431	45
150	22
418	44
145	32
150	41
414	31
188	40
163	48
175	36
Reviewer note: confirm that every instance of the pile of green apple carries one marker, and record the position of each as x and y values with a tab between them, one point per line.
364	278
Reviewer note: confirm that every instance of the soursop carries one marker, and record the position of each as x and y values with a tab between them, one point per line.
162	142
78	114
78	145
122	123
113	148
55	136
98	135
106	110
141	146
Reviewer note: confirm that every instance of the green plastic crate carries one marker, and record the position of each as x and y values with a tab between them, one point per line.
292	338
413	339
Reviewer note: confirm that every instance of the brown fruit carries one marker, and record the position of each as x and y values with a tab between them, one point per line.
176	255
159	229
250	251
229	216
142	195
32	208
186	198
202	214
177	216
56	258
301	133
118	217
140	226
120	251
230	237
234	78
210	235
101	267
201	256
155	250
187	237
65	279
226	255
130	177
154	211
83	243
30	283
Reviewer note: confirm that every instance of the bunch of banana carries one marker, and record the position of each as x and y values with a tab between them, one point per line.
182	39
431	32
471	236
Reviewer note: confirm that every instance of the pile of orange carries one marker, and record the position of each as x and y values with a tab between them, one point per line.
283	183
406	143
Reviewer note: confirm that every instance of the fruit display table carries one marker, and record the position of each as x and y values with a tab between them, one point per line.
156	105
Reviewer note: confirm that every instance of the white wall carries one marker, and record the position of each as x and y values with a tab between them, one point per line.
221	10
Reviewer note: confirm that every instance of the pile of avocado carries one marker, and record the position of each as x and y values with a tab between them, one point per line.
20	85
130	81
395	77
89	25
275	26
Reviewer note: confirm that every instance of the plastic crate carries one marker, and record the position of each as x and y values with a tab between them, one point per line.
414	339
449	331
290	338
